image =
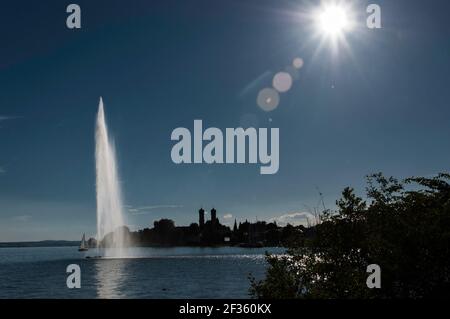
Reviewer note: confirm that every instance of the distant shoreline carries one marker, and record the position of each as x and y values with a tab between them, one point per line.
42	243
72	243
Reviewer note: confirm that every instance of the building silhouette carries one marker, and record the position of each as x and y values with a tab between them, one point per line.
201	218
213	216
212	233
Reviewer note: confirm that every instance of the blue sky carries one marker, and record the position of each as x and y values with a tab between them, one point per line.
382	105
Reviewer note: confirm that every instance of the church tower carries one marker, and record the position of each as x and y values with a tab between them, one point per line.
213	216
201	218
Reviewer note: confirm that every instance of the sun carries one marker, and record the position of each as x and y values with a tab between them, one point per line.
333	20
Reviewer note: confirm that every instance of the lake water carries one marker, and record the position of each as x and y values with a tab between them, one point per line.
179	272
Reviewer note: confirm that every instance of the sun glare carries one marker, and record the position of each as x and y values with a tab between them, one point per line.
333	20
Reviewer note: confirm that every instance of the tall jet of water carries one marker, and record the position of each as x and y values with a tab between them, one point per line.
109	196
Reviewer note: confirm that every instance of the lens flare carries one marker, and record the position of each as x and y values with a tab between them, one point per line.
282	82
268	99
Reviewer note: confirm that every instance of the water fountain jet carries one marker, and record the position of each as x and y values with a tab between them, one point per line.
109	196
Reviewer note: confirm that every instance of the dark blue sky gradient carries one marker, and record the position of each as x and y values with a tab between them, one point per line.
159	65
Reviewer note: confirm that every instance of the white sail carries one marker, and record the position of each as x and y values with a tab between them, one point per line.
83	245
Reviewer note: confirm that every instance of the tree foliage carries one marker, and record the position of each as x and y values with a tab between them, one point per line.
404	227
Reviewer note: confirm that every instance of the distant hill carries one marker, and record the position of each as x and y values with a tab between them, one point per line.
43	243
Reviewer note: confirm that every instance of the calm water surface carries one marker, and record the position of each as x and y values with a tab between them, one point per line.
180	272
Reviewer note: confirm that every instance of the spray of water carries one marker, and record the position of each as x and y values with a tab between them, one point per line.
110	232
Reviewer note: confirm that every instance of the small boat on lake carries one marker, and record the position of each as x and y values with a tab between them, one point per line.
83	244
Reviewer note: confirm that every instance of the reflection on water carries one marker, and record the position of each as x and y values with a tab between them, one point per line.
176	272
185	252
111	278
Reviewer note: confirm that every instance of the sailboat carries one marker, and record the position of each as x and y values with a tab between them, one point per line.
83	244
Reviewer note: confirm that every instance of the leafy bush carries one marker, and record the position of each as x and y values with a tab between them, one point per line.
404	227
